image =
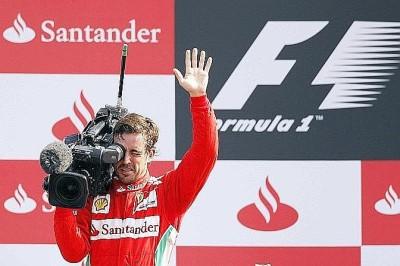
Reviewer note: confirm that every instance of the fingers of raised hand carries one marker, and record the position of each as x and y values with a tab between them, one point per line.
202	58
194	58
208	65
178	75
191	60
187	60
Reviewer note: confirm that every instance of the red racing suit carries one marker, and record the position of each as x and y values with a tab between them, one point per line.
137	224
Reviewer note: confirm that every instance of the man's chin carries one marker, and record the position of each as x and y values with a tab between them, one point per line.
126	179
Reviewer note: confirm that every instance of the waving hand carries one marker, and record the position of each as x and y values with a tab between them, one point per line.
196	77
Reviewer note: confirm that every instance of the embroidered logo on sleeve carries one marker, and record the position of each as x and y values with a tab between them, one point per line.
155	180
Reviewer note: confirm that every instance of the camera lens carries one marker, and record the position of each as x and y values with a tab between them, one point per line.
68	188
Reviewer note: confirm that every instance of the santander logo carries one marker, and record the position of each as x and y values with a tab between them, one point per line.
82	113
51	31
20	203
94	231
390	204
19	32
267	213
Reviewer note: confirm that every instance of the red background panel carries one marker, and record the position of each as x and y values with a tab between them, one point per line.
378	228
158	168
36	226
276	256
84	57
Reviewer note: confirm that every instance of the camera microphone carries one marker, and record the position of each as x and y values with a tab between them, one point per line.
55	158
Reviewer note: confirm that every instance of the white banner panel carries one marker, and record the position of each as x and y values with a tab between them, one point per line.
32	255
380	255
277	203
38	109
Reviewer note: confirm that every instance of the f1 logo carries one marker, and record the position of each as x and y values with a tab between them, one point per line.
357	67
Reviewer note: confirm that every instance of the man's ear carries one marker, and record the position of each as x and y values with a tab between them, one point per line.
151	155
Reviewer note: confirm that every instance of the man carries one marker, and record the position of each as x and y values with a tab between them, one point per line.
137	222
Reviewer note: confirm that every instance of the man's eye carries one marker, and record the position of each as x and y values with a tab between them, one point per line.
136	153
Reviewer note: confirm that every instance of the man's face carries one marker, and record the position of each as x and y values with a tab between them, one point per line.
134	164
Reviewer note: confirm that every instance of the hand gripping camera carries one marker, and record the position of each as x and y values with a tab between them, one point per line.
83	164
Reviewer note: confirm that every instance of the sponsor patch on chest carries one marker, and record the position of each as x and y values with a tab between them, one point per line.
101	204
144	203
125	228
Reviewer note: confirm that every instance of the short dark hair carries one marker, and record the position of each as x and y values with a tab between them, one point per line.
135	123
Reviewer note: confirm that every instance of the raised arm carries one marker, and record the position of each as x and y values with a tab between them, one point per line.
197	163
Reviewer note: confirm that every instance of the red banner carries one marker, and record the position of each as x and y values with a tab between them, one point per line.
263	256
87	37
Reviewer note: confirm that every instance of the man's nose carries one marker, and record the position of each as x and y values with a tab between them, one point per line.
126	159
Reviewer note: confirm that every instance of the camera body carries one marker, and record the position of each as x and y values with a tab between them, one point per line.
93	156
